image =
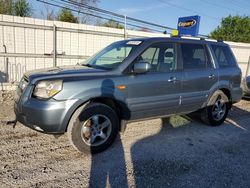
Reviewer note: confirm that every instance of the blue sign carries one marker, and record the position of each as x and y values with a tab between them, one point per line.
189	26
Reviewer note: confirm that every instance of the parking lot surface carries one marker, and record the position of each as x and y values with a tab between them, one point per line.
181	152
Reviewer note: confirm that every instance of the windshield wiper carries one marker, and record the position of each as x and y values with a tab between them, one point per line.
87	65
96	66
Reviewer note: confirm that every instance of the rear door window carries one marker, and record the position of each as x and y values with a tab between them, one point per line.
224	56
195	56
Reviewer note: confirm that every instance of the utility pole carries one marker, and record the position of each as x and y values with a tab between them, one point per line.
54	46
125	27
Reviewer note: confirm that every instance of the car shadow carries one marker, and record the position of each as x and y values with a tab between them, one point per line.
108	169
175	156
180	152
238	117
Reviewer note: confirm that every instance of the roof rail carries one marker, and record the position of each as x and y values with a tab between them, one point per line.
219	40
206	38
190	37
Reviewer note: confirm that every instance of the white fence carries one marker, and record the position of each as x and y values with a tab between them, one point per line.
242	54
28	43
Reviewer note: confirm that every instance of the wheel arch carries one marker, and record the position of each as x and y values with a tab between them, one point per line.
227	92
119	107
112	103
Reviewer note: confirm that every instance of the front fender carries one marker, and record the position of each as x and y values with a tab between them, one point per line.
85	96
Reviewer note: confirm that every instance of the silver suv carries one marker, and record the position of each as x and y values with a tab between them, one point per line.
128	81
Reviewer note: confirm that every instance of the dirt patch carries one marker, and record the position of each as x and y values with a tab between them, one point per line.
177	153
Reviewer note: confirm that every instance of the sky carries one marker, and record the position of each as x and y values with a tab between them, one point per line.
167	12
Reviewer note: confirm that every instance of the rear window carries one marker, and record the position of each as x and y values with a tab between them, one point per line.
224	56
195	56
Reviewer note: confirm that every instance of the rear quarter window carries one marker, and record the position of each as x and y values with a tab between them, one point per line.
224	56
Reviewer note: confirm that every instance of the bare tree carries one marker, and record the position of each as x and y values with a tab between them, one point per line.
48	12
85	18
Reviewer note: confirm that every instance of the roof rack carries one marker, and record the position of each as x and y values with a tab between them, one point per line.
206	38
219	40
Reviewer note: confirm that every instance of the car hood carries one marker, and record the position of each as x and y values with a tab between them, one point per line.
63	71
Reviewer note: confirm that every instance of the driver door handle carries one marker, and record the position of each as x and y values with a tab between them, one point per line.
172	79
211	76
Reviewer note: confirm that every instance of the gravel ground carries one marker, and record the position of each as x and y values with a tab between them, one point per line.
181	153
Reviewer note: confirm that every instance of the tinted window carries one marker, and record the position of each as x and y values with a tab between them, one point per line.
195	56
224	56
160	56
168	62
151	55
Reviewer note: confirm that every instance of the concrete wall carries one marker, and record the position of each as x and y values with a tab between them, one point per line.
29	43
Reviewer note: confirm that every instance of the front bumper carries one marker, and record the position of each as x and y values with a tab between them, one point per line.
50	116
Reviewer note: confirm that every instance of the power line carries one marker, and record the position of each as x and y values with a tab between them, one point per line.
237	4
94	15
115	14
222	6
105	13
216	5
101	17
187	9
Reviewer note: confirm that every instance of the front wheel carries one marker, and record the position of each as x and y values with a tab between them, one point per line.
94	129
217	109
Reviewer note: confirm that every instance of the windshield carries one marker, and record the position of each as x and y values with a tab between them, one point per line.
113	55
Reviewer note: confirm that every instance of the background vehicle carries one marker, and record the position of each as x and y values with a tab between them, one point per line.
128	81
246	86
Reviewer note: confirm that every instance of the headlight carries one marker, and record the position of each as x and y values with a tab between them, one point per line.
23	84
47	89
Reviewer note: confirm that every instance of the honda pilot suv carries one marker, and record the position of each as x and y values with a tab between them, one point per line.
127	81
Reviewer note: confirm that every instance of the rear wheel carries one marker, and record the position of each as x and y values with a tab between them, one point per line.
217	109
94	129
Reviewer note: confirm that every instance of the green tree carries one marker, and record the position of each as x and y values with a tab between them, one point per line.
233	28
16	8
66	15
112	23
22	8
6	7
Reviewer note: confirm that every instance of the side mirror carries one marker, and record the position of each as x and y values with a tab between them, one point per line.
141	67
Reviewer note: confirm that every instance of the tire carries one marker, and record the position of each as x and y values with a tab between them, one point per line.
93	128
208	114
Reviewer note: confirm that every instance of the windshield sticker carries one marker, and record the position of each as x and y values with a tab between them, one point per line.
134	42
